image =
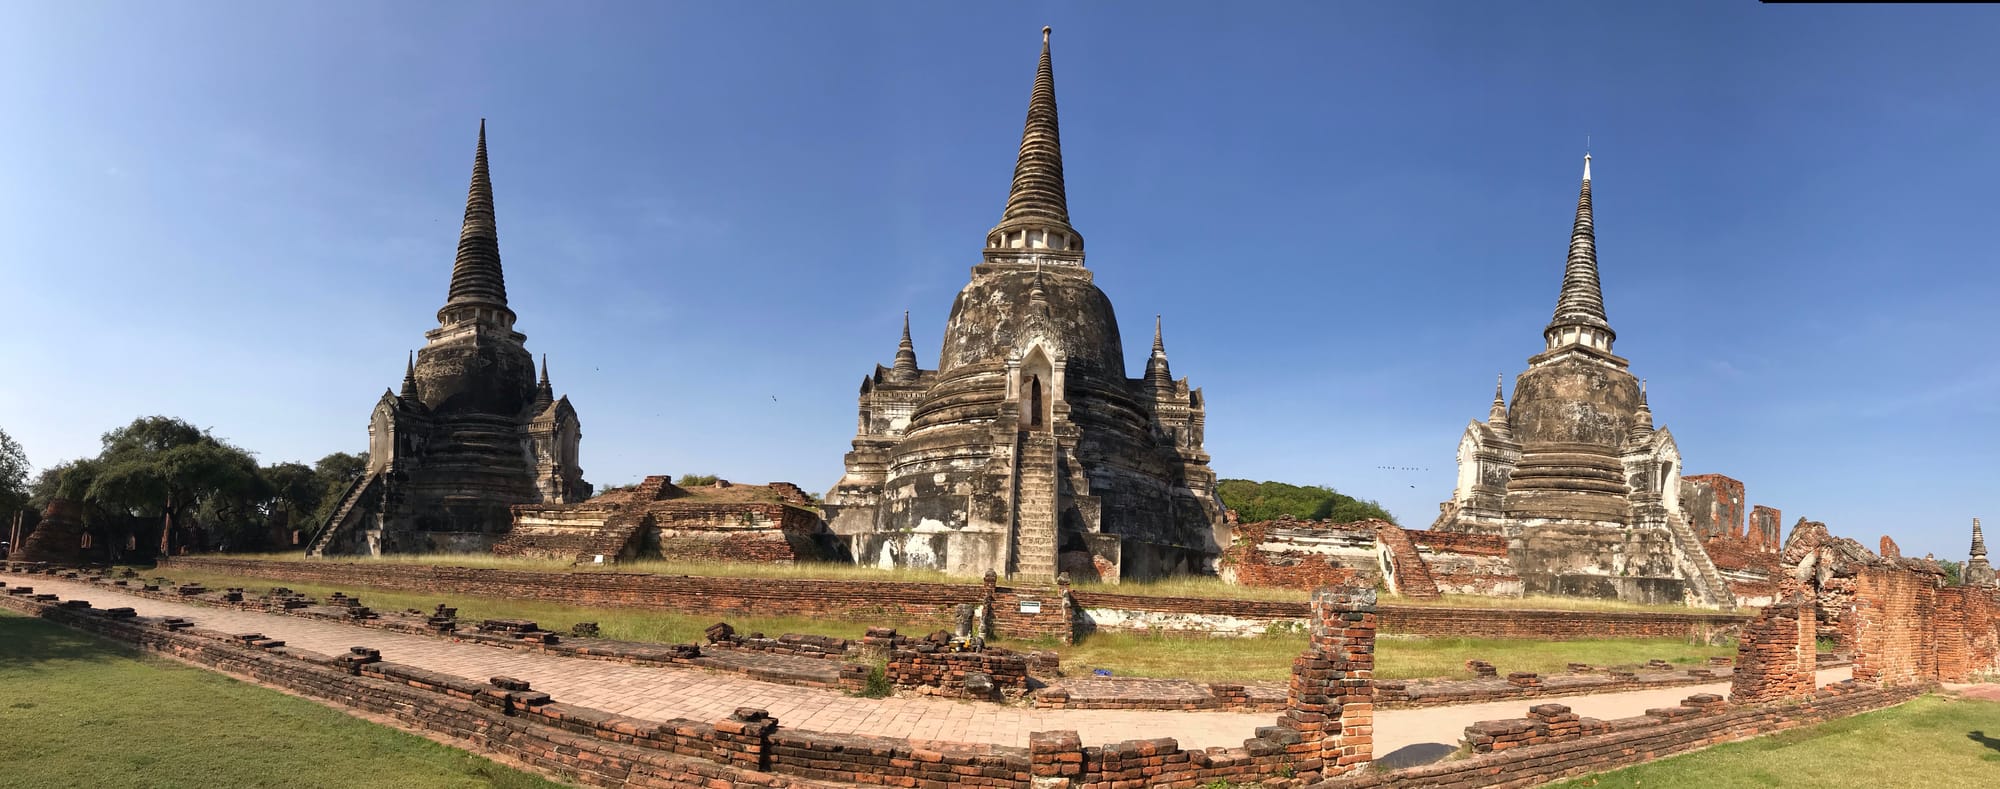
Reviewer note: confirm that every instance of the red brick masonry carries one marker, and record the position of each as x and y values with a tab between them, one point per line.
1325	729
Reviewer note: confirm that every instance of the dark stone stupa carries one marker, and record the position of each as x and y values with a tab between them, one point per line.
472	431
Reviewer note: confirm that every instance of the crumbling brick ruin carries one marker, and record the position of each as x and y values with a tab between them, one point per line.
1776	654
773	523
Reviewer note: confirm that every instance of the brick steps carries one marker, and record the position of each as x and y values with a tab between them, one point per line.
338	523
1413	576
1035	507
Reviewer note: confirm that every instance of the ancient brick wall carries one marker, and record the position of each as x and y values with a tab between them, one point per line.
733	532
856	600
1766	527
58	538
1751	570
1302	555
935	603
1033	613
1324	731
938	671
1968	633
1776	657
1462	563
1713	504
1895	626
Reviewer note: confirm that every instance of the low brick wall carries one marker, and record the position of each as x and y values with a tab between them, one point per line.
505	717
1551	743
825	670
933	603
936	671
858	600
1324	731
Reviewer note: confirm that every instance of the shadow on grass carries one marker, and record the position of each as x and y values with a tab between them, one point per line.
26	640
1991	743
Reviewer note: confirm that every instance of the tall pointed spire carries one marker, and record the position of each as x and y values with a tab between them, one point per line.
1157	372
1977	571
1579	316
1036	220
1497	415
545	392
475	275
410	379
906	354
1642	419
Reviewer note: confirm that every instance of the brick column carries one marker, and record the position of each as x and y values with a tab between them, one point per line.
1331	703
1777	655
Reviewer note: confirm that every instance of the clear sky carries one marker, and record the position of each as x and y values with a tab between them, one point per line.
712	216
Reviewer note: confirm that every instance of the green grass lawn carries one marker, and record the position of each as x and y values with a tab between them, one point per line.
1934	742
77	710
1125	654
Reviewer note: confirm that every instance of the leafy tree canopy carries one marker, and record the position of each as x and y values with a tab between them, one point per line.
1263	501
13	476
1953	571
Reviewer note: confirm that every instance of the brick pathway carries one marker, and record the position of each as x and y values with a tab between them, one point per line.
659	693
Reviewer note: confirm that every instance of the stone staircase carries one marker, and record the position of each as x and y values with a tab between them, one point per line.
612	538
1711	588
1413	577
338	524
1035	507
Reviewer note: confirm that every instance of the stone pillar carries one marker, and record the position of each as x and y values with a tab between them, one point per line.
1777	655
1331	703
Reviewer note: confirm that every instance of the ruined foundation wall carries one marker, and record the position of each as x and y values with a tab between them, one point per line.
871	601
1302	555
1468	563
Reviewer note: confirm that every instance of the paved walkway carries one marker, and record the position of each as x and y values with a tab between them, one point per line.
659	693
662	692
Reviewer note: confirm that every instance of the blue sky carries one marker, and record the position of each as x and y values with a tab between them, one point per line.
713	216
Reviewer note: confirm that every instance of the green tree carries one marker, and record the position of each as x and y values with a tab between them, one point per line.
164	466
1263	501
1953	571
14	467
296	492
332	474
